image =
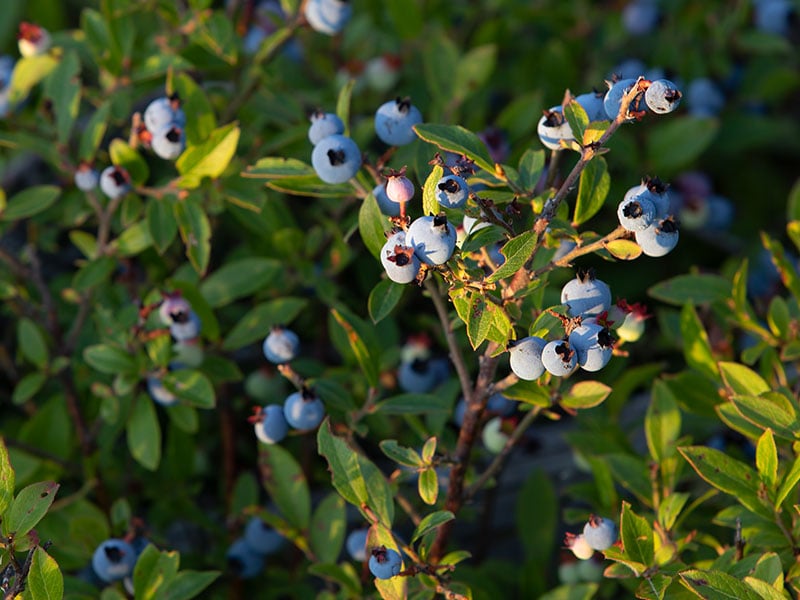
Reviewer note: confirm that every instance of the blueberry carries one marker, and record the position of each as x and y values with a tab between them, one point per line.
613	98
525	357
113	560
386	206
32	39
394	121
662	96
592	103
585	295
168	142
559	358
270	424
774	16
658	239
452	191
704	98
86	178
6	71
593	344
553	127
418	376
356	544
399	188
173	308
654	190
640	17
432	238
579	546
262	538
281	345
500	405
458	412
385	563
328	16
493	436
164	112
336	158
323	125
159	393
398	260
115	182
600	533
243	561
636	213
303	410
720	213
186	327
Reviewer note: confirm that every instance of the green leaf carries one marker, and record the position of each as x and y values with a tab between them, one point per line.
239	278
632	473
133	240
530	168
585	394
343	103
189	584
670	508
28	508
45	581
195	232
160	217
771	410
109	359
192	387
401	454
696	347
430	203
154	570
428	486
431	522
678	142
576	117
537	528
429	450
785	266
342	575
372	225
32	343
592	190
788	484
354	328
94	273
413	404
29	202
64	90
144	433
200	119
727	475
740	379
529	392
637	536
328	528
479	319
767	459
122	155
210	158
28	387
793	204
277	167
517	252
458	139
383	298
662	423
285	483
7	478
573	591
256	324
716	585
29	71
696	289
94	131
474	69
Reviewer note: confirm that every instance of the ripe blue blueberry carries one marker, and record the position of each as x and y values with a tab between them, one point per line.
654	190
592	103
420	375
336	158
262	538
658	239
113	560
432	238
559	358
386	206
157	391
553	127
600	533
394	121
640	17
281	345
525	357
385	563
115	182
328	16
323	125
704	98
398	260
613	98
594	345
636	214
303	410
164	112
86	178
185	326
270	424
662	96
356	544
774	16
585	295
242	560
168	142
452	191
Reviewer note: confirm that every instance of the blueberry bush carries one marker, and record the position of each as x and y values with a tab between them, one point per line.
298	293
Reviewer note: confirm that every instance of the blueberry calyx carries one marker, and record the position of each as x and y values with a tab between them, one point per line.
655	185
440	220
450	186
604	338
633	210
118	176
668	225
564	351
403	104
585	274
380	554
336	157
173	135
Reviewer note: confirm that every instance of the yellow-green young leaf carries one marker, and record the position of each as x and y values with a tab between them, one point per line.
517	252
154	570
592	190
769	569
769	410
763	589
576	117
785	266
431	522
28	508
585	394
428	487
788	485
285	483
195	231
29	202
29	71
793	231
637	536
210	158
328	528
670	508
696	347
354	331
193	387
479	321
343	104
144	433
740	379
122	155
400	454
45	581
430	204
662	423
767	458
716	585
7	478
624	249
32	343
456	138
428	450
594	131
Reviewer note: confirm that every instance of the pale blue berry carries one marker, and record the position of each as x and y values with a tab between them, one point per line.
115	182
385	563
585	295
262	538
281	345
168	142
356	544
270	424
336	158
613	98
659	239
386	206
600	533
432	238
113	560
328	16
452	191
242	560
525	357
662	96
86	178
636	214
553	128
303	410
398	259
559	358
394	121
323	125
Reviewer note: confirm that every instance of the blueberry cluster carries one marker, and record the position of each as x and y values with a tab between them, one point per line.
645	210
246	556
165	123
429	240
598	534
